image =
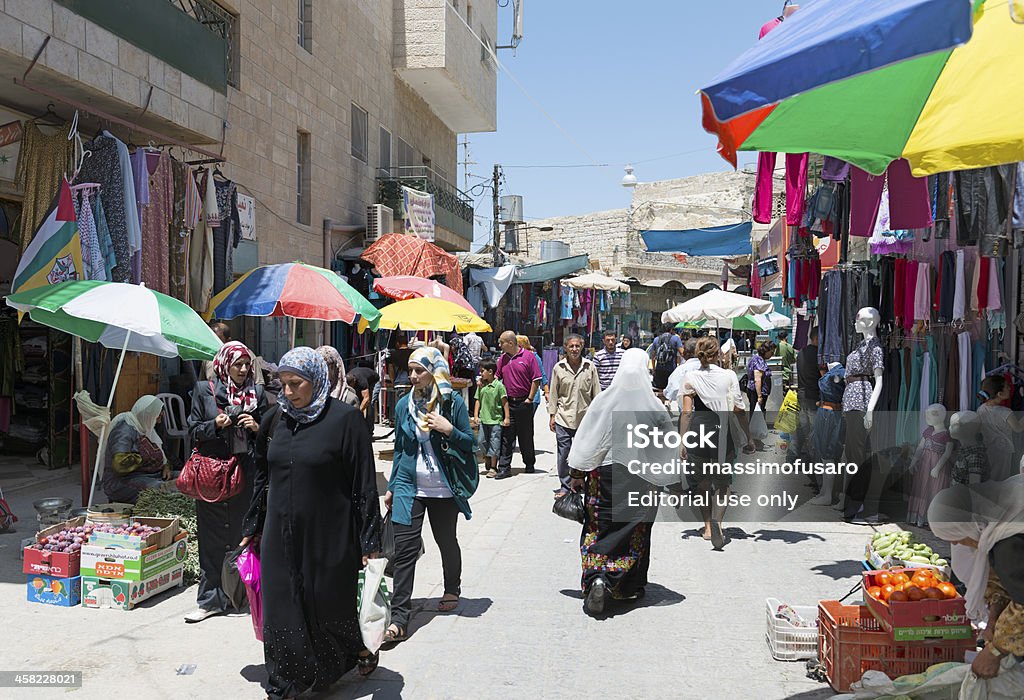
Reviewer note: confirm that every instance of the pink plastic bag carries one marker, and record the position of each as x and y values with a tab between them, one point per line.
248	564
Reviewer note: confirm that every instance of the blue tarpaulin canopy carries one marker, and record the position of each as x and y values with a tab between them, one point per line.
829	40
728	240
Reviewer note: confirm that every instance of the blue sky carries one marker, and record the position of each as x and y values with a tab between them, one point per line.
621	79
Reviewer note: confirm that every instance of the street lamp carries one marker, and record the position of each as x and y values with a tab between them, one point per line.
629	179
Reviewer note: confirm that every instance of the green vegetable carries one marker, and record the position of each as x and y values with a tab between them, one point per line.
156	503
941	562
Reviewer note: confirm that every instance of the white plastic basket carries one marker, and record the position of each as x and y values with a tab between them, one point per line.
786	641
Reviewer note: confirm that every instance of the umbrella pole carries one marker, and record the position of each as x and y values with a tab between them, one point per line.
103	433
83	435
291	343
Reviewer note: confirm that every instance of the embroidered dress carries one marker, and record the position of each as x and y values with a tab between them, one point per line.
155	217
925	486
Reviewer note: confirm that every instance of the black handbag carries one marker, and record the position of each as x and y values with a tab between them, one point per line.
230	580
570	506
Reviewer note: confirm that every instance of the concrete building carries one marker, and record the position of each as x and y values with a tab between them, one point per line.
320	109
612	238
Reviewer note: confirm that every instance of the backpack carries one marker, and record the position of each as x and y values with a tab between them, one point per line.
461	359
665	355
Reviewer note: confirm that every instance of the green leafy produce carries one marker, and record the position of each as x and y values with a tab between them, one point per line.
156	503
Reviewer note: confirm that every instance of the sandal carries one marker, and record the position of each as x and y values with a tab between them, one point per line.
449	601
393	634
367	663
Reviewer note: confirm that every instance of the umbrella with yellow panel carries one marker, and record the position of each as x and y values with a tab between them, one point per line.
427	314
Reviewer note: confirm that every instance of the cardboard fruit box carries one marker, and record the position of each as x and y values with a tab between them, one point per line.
125	595
115	562
54	590
918	620
169	528
46	563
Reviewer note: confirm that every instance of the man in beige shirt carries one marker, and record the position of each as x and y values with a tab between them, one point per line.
573	385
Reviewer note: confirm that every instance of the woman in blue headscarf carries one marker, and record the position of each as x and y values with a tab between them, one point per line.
316	511
434	472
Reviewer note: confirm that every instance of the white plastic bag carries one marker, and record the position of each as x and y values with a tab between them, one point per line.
758	425
374	604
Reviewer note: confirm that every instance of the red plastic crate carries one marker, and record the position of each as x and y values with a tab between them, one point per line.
851	641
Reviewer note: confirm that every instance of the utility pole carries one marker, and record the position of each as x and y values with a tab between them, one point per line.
497	215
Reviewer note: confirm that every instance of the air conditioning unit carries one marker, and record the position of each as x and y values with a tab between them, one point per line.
380	220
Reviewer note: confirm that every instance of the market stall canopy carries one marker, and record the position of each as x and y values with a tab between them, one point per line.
110	313
399	254
551	269
727	240
716	305
947	110
596	281
756	322
295	290
407	287
825	42
430	315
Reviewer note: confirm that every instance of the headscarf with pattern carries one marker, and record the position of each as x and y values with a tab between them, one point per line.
334	363
422	403
308	364
238	395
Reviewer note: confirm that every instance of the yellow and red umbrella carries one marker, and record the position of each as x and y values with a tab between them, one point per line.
430	315
403	287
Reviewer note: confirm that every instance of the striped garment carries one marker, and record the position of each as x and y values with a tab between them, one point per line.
607	364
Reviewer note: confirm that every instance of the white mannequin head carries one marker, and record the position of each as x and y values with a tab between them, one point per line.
935	416
867	321
964	426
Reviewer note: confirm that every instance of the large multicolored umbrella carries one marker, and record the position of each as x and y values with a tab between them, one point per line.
403	287
951	109
296	290
121	316
430	315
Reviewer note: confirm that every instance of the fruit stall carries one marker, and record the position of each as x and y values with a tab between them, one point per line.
104	564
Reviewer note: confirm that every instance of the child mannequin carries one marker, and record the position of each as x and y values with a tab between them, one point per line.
931	466
998	423
971	458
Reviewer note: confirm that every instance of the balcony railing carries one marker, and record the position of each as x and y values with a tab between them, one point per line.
453	208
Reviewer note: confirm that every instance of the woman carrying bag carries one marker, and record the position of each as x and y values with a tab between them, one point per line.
225	418
434	472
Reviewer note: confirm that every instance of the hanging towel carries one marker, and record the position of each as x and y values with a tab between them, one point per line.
959	290
923	294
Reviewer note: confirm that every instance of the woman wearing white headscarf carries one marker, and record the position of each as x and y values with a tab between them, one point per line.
433	474
985	524
615	545
134	458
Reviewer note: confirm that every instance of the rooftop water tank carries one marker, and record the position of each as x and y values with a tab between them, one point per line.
553	250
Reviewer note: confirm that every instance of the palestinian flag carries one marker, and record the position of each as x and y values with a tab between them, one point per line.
55	253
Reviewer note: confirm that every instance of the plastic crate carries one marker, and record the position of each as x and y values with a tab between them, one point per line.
787	641
851	641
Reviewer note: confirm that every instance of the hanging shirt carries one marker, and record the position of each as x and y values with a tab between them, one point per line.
960	288
131	211
92	256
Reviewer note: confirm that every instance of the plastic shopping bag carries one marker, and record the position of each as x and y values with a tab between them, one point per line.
248	565
758	425
374	603
788	419
230	582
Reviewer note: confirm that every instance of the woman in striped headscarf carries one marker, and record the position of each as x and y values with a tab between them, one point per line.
434	472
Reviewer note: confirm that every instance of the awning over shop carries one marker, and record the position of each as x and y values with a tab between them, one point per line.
551	269
728	240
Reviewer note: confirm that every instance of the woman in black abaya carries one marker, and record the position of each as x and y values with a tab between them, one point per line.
316	509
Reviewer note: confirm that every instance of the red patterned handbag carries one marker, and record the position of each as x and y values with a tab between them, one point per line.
210	479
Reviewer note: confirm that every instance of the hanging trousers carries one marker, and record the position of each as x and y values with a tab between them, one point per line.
858	451
796	184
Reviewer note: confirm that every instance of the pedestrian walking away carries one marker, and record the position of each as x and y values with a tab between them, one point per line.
433	474
315	515
519	371
225	418
491	416
788	357
574	384
615	544
759	380
690	363
608	357
665	353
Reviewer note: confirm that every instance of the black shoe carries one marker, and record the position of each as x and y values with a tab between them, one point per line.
530	470
503	474
593	604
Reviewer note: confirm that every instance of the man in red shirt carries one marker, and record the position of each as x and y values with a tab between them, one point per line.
519	371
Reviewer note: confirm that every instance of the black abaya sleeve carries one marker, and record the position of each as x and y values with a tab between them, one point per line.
252	524
201	426
358	451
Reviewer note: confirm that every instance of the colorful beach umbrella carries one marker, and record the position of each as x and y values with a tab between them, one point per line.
295	290
430	315
111	313
952	109
403	287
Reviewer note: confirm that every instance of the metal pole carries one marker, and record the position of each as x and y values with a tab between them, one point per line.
497	215
103	433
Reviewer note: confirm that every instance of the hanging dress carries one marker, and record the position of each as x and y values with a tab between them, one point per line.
43	162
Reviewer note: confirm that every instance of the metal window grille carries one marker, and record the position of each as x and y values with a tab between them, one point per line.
302	175
221	22
360	147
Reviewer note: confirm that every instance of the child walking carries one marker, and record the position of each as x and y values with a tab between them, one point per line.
491	415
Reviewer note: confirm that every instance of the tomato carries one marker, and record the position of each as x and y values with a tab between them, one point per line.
875	592
948	589
883	579
887	591
898	597
934	594
914	593
900	577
